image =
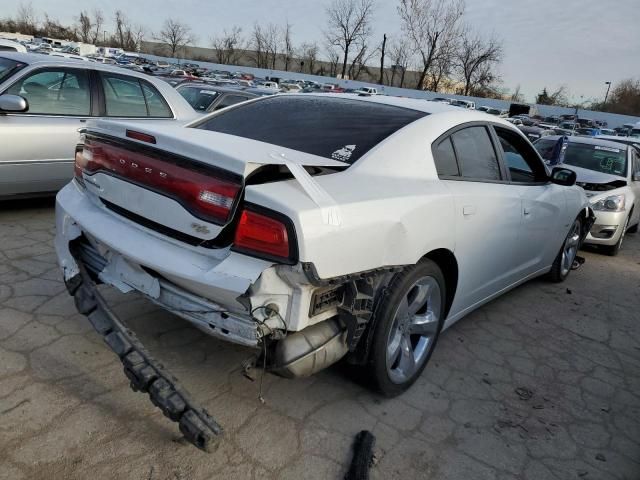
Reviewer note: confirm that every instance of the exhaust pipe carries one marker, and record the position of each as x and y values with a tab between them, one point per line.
308	351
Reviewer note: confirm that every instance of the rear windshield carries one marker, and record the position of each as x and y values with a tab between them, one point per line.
337	128
199	98
598	158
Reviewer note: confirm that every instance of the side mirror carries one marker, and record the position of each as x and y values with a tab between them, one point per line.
13	103
563	176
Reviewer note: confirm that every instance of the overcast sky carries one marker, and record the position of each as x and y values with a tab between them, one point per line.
577	43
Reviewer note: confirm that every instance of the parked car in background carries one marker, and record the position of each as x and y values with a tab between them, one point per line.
366	91
290	87
587	131
533	133
44	100
442	100
11	46
609	171
463	104
209	98
516	121
259	236
269	85
607	131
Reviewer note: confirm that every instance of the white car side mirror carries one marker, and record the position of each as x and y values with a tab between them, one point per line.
13	103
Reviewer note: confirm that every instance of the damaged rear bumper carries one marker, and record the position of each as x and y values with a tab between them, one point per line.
145	373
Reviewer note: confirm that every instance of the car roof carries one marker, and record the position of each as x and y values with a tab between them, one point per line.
53	61
590	141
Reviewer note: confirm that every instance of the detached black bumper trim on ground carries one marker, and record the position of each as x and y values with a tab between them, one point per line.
144	372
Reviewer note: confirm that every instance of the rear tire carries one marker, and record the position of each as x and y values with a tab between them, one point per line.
567	254
407	324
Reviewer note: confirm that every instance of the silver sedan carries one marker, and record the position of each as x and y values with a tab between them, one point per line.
45	100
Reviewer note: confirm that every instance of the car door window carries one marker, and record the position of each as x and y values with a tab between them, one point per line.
63	91
123	96
445	159
156	105
476	156
229	100
521	159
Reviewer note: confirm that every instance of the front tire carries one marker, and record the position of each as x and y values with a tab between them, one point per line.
407	325
567	254
614	250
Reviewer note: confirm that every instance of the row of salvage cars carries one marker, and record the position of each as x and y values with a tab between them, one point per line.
317	228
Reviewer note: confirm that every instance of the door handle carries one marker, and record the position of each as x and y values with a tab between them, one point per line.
469	210
526	211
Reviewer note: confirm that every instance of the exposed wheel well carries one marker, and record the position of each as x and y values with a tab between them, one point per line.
446	260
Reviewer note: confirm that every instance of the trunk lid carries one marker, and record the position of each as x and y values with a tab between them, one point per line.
185	183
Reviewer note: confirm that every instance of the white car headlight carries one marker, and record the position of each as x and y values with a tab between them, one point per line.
613	203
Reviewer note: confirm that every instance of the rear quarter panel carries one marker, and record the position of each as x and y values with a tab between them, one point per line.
383	221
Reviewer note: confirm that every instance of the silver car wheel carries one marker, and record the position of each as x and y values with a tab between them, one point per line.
570	248
415	325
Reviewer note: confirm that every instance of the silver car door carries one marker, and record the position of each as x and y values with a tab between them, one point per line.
38	146
487	215
543	203
635	185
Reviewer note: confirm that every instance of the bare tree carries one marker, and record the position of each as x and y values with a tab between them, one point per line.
476	59
288	45
360	61
85	27
517	95
429	24
400	56
272	43
348	22
26	21
127	36
175	35
53	28
98	22
384	44
228	46
308	55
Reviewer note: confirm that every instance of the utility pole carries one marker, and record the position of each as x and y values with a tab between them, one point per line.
607	94
384	43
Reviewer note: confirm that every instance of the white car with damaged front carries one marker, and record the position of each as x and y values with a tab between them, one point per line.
317	227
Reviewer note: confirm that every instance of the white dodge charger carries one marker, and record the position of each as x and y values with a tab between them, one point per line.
312	227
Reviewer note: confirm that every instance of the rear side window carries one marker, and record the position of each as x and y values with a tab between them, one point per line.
156	105
338	128
476	156
445	158
129	97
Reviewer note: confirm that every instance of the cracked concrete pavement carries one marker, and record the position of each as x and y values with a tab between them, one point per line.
543	383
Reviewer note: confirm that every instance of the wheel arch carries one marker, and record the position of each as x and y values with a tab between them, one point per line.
446	261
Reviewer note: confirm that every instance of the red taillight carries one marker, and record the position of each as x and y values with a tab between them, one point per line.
201	192
143	137
79	164
262	235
